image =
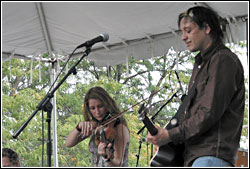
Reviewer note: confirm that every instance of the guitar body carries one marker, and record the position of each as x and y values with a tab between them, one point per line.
168	155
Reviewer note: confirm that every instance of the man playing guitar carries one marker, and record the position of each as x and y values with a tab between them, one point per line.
211	123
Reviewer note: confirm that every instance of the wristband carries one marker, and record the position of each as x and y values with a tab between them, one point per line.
78	128
106	159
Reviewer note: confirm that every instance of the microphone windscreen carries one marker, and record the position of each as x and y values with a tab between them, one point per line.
105	36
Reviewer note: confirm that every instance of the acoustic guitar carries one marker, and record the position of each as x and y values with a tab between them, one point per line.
168	155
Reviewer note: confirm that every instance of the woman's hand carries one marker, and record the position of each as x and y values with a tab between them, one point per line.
105	150
81	131
87	127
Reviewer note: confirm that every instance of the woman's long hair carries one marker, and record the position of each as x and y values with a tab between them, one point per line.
100	94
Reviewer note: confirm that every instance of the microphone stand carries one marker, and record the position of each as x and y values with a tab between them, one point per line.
139	151
46	105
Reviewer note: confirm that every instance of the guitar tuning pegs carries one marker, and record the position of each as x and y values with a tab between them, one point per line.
141	108
142	112
146	111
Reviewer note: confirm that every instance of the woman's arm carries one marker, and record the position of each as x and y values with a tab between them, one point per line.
76	136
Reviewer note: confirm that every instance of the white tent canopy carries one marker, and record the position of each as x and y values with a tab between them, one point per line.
139	29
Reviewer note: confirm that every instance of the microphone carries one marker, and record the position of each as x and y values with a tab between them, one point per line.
103	37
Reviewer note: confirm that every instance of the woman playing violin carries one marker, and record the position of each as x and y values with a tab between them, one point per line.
109	146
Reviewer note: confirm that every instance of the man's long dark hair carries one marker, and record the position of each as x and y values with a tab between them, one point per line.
204	16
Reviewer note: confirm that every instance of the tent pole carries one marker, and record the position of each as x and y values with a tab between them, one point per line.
44	26
54	116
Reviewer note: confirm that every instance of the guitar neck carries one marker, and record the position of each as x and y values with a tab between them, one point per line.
149	125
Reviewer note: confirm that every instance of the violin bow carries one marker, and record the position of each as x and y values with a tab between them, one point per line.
121	113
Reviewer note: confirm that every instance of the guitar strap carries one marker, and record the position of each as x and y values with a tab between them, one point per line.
175	119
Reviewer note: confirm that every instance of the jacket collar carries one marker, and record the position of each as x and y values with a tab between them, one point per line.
201	57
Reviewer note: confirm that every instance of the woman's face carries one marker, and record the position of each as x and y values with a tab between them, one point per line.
97	109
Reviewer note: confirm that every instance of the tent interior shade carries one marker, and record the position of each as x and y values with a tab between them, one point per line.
139	29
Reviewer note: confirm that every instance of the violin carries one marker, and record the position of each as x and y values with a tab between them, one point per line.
106	134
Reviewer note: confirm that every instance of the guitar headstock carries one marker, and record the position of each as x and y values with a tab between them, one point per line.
148	122
142	112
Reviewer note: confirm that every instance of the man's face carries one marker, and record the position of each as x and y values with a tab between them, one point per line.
195	38
6	162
